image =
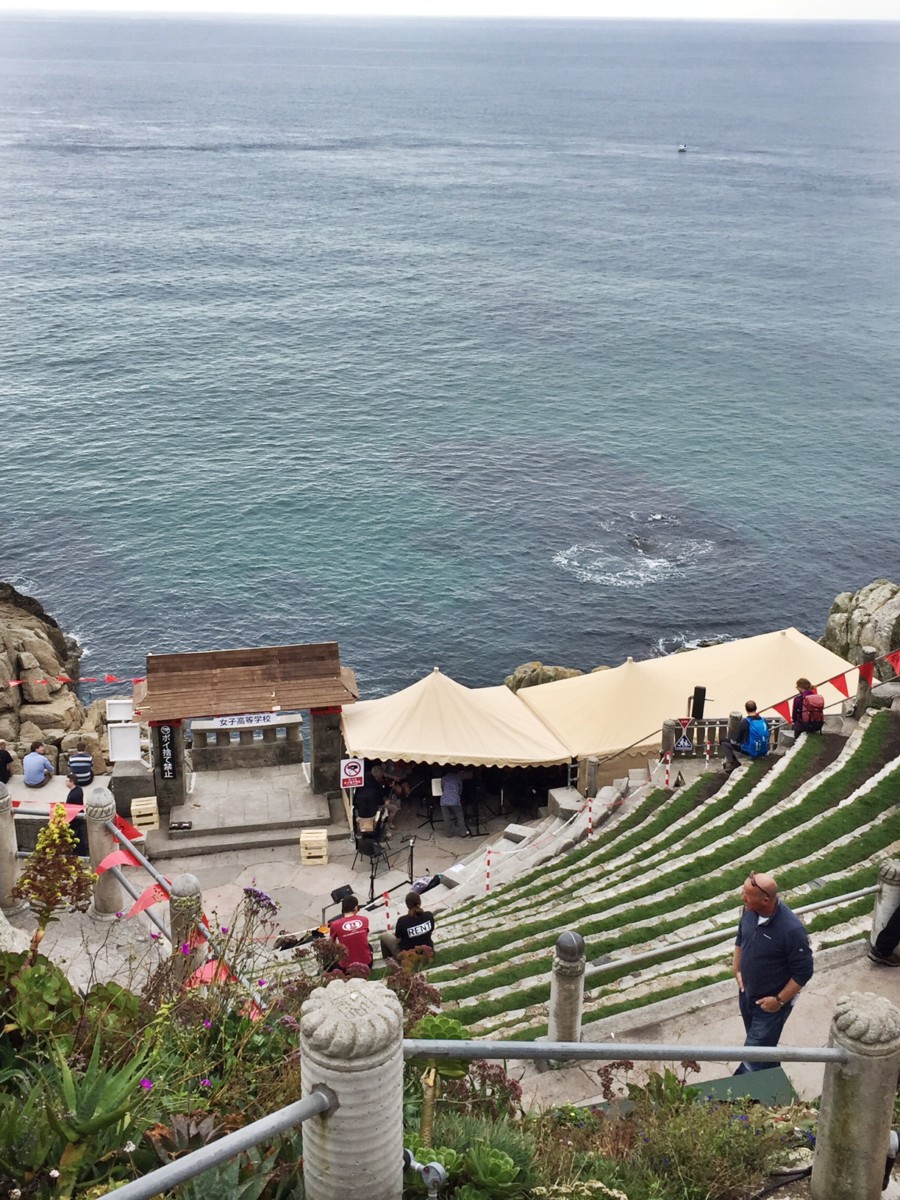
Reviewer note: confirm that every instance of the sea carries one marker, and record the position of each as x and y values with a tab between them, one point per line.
427	338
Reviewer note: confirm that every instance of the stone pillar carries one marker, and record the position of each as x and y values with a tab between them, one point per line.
590	782
245	737
223	737
169	767
863	691
734	720
185	913
325	749
888	899
567	989
99	808
8	846
857	1100
670	732
293	733
270	734
352	1043
200	738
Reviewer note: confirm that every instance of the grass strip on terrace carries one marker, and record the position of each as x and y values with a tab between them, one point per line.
721	874
820	800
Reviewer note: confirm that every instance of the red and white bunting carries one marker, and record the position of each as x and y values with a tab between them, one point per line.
867	672
784	710
839	683
118	858
155	894
387	910
894	659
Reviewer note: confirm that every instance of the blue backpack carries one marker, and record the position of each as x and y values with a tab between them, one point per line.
757	743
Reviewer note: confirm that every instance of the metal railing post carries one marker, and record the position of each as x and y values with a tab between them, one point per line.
100	808
567	988
857	1100
8	847
352	1045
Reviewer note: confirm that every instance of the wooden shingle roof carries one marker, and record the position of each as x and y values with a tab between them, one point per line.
220	683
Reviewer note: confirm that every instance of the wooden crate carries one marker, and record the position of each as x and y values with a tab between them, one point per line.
314	847
145	813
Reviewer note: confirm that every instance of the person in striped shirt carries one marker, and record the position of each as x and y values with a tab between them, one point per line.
81	765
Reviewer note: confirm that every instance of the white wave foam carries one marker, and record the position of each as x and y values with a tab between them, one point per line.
632	562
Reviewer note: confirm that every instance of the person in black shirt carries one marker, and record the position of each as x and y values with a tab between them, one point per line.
5	762
75	794
415	929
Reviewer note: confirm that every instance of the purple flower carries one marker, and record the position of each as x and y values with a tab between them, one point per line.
206	1083
154	935
121	914
207	1024
261	983
147	1084
224	928
185	948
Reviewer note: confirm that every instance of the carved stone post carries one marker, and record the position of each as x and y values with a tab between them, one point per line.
857	1100
325	749
352	1043
591	780
888	899
8	872
734	720
99	808
863	691
567	989
670	731
185	913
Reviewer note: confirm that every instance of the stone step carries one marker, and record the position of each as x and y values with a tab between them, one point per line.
162	844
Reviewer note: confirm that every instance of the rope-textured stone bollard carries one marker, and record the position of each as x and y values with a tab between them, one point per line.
888	899
185	913
8	847
857	1100
352	1044
99	808
567	989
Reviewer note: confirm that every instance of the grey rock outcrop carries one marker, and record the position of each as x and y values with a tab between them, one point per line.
531	673
36	652
868	619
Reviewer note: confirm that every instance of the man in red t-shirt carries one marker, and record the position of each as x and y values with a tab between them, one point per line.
352	931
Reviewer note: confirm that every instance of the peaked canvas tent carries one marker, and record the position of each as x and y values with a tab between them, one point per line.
610	711
440	721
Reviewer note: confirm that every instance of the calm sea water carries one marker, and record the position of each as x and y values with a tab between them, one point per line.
423	337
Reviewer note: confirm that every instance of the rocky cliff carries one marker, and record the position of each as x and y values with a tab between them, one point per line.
868	619
34	650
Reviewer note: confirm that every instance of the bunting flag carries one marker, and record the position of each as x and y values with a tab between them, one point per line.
196	938
867	672
118	858
211	972
839	683
155	894
894	659
784	710
75	679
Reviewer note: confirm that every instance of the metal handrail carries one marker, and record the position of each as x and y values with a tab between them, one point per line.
638	1051
318	1102
610	963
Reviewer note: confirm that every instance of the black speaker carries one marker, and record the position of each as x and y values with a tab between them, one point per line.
339	893
698	703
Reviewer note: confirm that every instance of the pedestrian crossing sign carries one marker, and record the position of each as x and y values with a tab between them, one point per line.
684	743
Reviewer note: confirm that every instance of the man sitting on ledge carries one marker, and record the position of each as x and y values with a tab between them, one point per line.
37	767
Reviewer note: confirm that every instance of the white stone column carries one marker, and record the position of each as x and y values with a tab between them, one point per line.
888	899
352	1043
8	846
567	989
99	808
185	913
857	1100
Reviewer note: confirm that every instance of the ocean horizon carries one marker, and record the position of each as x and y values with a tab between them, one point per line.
424	337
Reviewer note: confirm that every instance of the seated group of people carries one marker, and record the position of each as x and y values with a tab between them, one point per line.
38	770
807	716
380	799
351	930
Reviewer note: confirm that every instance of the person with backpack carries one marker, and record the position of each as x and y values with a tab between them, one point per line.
752	739
808	708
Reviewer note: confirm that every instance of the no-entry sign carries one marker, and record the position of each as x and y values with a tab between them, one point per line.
351	772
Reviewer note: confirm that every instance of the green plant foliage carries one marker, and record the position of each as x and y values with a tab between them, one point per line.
244	1178
469	1191
37	999
438	1027
493	1170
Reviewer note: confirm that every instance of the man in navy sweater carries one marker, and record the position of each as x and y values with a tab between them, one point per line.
772	963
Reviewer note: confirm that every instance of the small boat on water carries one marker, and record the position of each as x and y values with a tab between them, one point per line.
682	149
